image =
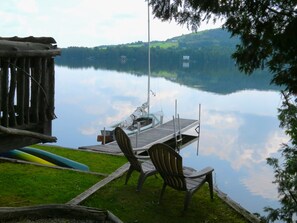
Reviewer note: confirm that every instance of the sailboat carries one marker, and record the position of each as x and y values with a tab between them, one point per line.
141	119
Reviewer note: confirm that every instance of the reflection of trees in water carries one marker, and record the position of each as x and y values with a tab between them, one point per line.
225	80
220	77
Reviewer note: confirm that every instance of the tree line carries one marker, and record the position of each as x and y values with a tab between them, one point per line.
139	55
202	48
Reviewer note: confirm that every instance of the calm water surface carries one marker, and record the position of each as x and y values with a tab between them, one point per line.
239	130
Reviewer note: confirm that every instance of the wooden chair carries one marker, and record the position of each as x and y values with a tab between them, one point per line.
169	164
145	168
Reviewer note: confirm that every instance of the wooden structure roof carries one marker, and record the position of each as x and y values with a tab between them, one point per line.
27	81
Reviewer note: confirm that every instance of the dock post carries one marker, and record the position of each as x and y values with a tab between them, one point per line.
197	129
104	135
179	131
174	132
175	108
136	139
138	127
137	132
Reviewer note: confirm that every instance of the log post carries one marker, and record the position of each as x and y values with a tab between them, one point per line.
11	95
4	89
21	91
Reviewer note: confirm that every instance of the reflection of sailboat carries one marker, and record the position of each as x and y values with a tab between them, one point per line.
141	119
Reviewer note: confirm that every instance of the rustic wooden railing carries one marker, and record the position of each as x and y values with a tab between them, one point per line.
27	81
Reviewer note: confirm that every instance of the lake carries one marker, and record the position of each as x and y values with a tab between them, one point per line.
239	125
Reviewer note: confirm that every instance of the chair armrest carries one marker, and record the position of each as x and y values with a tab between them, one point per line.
138	149
201	173
142	157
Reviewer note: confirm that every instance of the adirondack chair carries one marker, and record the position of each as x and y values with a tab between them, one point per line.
145	168
169	164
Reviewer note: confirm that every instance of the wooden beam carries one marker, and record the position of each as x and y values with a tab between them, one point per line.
19	132
9	48
54	211
9	142
31	53
45	40
80	198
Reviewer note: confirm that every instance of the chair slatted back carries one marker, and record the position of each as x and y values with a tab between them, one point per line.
125	145
169	164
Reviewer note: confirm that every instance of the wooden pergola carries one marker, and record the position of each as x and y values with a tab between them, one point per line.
27	88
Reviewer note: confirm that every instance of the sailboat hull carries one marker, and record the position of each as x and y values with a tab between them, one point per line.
143	123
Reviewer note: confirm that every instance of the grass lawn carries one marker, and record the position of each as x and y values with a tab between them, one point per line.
24	185
131	206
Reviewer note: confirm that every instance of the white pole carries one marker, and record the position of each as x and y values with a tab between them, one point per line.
198	129
149	58
104	135
175	108
174	132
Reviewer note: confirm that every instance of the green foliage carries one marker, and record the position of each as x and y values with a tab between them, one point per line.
286	172
267	32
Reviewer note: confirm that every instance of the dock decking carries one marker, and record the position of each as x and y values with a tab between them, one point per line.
145	139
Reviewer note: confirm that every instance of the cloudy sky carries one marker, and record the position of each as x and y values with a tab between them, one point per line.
85	22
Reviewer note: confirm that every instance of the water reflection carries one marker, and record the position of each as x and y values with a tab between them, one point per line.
239	129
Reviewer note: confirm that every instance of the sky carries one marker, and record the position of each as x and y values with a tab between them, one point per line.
86	23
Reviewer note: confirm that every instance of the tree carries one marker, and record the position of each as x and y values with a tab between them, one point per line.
268	33
285	173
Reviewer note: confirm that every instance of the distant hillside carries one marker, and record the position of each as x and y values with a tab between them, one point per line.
203	39
206	39
211	46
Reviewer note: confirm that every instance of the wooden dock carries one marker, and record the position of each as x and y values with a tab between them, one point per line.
146	139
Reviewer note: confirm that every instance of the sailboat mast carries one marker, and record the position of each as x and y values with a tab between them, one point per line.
149	58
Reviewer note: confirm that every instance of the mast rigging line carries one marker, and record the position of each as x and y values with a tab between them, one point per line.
149	56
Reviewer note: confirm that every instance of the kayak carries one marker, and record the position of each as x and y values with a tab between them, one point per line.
17	154
55	159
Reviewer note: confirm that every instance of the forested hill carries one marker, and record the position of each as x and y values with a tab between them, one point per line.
205	47
214	38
